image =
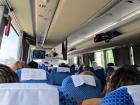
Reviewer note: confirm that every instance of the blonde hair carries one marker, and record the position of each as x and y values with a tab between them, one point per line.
86	73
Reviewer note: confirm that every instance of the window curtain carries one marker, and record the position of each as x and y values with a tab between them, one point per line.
86	59
91	57
121	56
64	49
1	32
25	47
25	40
4	22
136	53
78	60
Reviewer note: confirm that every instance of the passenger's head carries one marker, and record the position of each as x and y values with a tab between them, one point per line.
110	64
7	75
73	66
125	75
63	65
86	73
46	62
18	65
94	64
33	64
86	68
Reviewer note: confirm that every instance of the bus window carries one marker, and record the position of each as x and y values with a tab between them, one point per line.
110	58
9	48
99	58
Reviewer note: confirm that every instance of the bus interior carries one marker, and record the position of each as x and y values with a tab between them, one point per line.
65	38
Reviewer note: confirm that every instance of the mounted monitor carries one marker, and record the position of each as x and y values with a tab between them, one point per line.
39	54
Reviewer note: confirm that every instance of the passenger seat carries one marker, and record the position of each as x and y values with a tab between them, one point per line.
127	95
31	75
28	94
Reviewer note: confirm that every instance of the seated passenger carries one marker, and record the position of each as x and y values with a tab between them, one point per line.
125	75
73	69
18	65
109	69
7	75
63	65
81	69
33	64
99	72
81	86
86	72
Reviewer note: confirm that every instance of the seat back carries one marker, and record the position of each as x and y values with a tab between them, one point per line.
82	92
99	72
56	78
134	93
43	66
127	95
28	94
72	70
29	75
109	71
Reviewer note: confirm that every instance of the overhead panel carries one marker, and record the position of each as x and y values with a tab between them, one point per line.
118	15
70	16
22	14
45	10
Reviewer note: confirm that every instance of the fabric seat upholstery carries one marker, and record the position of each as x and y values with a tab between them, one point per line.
127	95
56	78
81	92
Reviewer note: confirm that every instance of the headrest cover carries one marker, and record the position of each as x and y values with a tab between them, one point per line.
33	74
135	93
28	94
115	67
138	68
79	80
98	67
49	67
63	69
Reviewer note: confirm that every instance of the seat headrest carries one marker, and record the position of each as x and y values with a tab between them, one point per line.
138	68
98	67
79	80
135	93
63	69
33	74
115	67
28	94
49	67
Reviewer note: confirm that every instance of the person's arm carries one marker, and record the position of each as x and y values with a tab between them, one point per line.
94	101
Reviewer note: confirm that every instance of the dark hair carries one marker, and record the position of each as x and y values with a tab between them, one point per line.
125	75
33	64
63	65
110	64
7	75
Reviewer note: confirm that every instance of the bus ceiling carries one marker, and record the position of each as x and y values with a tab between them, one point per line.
52	21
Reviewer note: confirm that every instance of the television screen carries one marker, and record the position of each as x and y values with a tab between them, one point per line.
39	54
